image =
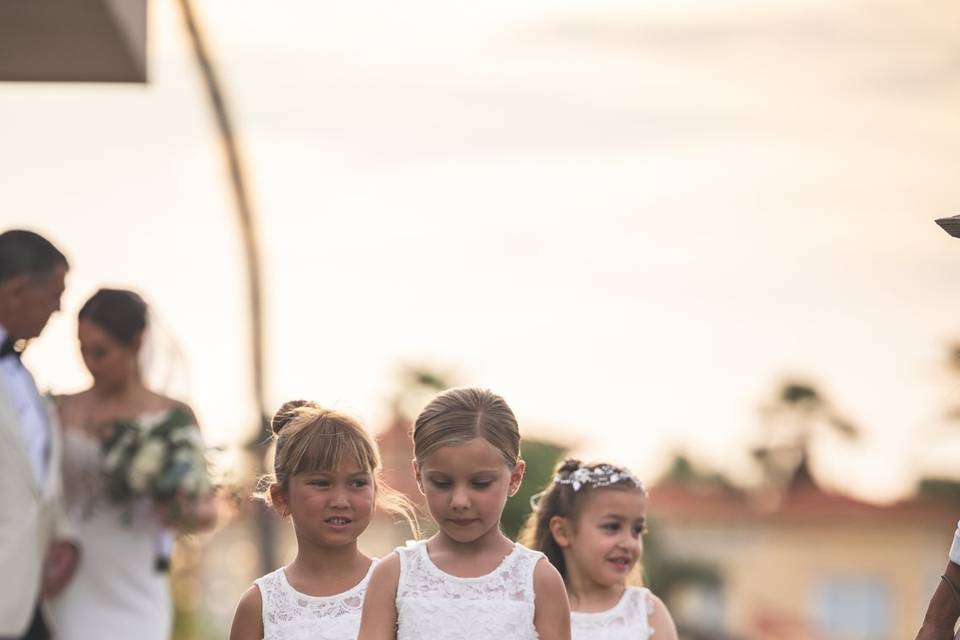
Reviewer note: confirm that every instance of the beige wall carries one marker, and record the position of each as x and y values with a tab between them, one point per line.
778	565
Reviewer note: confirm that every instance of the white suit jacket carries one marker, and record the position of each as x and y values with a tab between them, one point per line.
30	517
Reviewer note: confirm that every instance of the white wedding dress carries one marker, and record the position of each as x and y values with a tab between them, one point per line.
117	592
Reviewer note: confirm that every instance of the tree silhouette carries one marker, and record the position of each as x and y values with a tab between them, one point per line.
797	416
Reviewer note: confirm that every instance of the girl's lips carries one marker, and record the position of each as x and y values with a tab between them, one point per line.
463	522
338	522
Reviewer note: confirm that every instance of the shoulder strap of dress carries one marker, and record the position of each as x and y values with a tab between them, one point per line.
642	603
406	554
528	559
271	588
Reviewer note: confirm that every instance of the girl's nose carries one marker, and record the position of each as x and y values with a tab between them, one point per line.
339	497
459	499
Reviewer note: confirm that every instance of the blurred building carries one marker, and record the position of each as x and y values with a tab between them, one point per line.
808	565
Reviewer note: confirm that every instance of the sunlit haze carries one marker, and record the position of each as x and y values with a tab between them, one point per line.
631	219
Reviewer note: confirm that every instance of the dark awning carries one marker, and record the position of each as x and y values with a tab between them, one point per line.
73	40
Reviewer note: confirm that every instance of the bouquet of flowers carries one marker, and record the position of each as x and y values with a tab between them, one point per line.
159	459
162	459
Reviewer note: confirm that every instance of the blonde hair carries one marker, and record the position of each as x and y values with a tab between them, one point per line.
461	414
311	438
560	498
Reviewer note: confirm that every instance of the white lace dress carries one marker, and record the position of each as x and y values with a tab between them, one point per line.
117	592
629	619
436	605
291	615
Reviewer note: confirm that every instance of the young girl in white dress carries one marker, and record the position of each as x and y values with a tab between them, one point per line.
468	581
326	478
589	522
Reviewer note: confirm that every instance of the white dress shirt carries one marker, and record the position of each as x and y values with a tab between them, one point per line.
19	385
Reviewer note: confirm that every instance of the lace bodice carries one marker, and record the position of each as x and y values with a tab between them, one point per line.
629	619
436	605
291	615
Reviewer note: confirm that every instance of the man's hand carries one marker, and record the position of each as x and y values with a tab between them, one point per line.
944	608
59	567
931	632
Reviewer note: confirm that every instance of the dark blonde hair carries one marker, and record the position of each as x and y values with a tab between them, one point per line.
459	415
563	500
311	438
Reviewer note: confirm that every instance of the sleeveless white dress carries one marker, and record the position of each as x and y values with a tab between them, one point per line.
629	619
436	605
291	615
117	592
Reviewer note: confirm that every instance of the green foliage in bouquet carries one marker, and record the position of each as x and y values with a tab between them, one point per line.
155	458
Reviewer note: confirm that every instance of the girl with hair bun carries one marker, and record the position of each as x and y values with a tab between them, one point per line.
327	480
589	522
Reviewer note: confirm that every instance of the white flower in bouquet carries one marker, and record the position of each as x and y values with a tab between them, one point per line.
146	464
194	482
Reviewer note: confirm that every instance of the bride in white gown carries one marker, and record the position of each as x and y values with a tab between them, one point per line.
120	590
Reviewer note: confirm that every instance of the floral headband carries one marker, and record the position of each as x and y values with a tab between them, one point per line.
602	475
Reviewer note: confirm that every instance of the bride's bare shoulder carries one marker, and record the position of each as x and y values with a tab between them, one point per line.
167	403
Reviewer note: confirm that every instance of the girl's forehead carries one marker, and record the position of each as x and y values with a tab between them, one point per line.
468	457
628	502
344	467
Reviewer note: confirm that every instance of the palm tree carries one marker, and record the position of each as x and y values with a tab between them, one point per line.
797	416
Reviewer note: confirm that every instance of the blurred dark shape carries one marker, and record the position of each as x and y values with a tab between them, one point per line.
951	225
797	416
683	472
73	41
665	574
940	488
541	457
953	370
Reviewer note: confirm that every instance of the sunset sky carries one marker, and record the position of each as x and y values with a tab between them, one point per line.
631	219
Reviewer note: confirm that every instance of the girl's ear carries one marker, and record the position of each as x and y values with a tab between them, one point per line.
516	477
416	474
278	498
560	529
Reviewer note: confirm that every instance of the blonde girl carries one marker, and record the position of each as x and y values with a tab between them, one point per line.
468	581
589	522
326	479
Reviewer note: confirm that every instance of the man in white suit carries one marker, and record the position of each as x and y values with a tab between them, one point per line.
36	560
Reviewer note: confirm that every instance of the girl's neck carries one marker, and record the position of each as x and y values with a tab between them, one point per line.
491	541
330	560
327	571
589	596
